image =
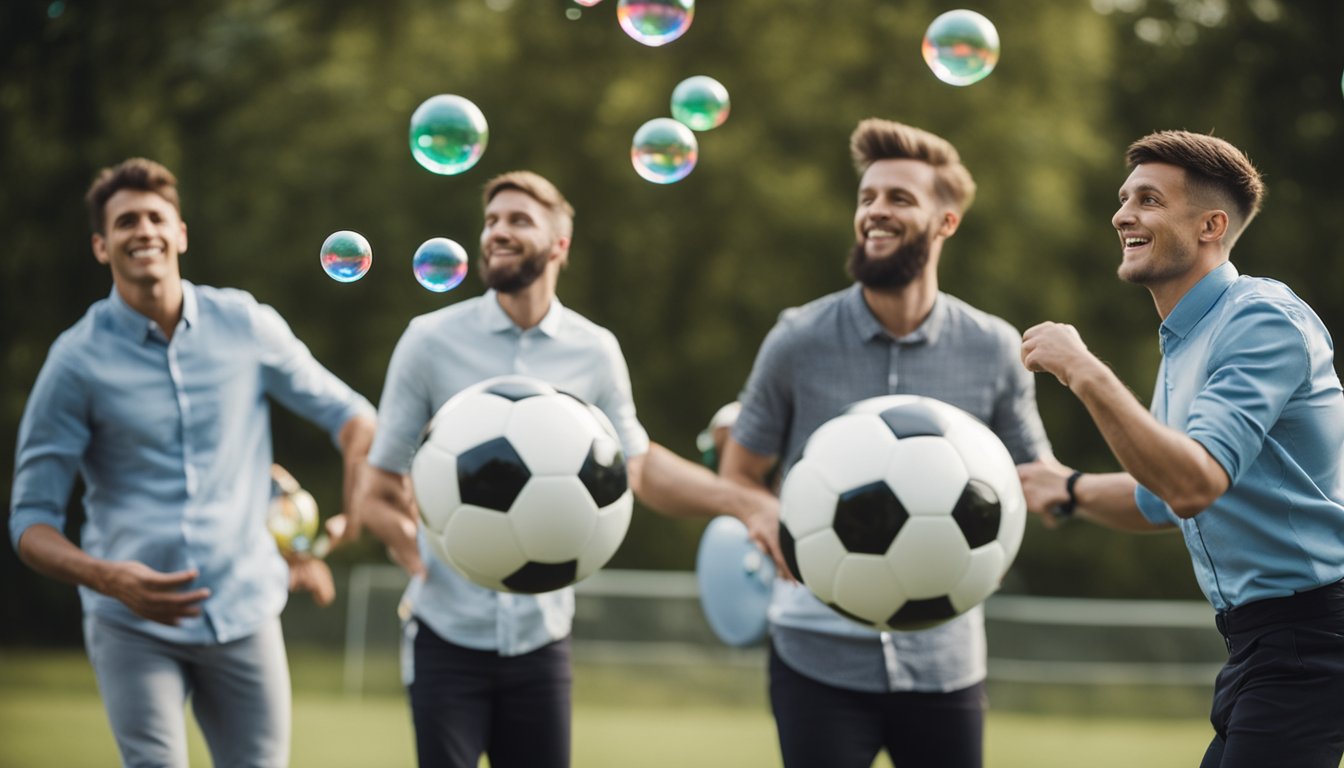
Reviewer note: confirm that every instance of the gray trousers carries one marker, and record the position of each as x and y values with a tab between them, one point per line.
239	692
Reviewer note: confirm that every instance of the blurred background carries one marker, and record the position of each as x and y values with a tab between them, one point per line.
287	120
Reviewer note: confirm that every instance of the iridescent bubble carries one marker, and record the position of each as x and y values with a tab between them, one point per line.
701	102
664	151
345	256
587	3
655	22
961	47
448	134
439	264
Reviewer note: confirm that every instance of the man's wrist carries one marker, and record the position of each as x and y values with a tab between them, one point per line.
1070	504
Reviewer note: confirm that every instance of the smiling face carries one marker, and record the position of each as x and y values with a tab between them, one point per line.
1159	225
142	237
896	221
518	242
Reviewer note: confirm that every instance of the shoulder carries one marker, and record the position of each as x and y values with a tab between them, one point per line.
975	325
451	315
815	316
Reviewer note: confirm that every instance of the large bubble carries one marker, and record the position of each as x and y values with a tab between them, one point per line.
439	264
345	256
655	22
448	134
701	102
664	151
961	47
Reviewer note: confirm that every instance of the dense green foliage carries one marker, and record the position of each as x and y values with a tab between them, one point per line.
286	121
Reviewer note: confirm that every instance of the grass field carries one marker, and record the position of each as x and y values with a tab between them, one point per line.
50	715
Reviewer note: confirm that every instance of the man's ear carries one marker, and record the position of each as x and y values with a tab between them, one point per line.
1213	226
951	220
99	244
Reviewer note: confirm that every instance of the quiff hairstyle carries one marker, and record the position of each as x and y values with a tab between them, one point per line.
1213	168
877	139
538	188
136	173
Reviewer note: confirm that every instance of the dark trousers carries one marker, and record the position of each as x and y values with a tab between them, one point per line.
1279	700
821	726
515	709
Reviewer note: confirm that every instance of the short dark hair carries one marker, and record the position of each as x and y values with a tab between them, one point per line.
877	139
1212	166
535	186
136	173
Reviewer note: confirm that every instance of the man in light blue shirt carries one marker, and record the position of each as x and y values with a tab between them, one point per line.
842	692
489	672
159	399
1241	450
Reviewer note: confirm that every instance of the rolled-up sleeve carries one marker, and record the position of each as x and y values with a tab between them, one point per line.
53	434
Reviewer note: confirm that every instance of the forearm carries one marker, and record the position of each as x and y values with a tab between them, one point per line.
47	551
678	487
1166	461
355	439
1108	500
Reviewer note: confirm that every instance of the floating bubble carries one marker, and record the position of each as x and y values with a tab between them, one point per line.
961	47
655	22
664	151
345	256
587	3
448	134
439	264
701	102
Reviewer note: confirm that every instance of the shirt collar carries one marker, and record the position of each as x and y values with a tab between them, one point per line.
498	321
1197	302
134	324
869	327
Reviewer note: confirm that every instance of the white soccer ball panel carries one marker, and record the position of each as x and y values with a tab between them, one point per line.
551	433
1013	523
482	541
864	586
883	402
612	523
553	518
850	450
481	579
806	500
436	546
928	556
462	424
927	475
434	481
983	576
818	556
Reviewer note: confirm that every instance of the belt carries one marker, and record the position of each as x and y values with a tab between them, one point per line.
1302	606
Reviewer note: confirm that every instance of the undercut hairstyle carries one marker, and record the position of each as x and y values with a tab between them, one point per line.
877	139
1215	171
137	174
538	188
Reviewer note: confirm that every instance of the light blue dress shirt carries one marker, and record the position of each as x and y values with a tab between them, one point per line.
1248	371
439	355
173	442
815	362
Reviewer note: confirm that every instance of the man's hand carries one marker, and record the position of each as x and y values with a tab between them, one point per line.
1056	348
309	574
152	594
1043	485
762	523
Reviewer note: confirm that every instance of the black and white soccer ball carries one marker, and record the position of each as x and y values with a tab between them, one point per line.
521	487
902	513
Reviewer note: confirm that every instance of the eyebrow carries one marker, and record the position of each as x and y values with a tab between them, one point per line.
1142	188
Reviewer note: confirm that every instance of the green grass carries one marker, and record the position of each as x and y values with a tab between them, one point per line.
624	718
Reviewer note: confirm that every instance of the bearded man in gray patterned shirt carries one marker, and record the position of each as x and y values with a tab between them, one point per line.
841	692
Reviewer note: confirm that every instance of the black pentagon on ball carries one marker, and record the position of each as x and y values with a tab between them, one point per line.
914	420
922	614
868	518
491	475
603	472
977	514
789	550
516	389
535	578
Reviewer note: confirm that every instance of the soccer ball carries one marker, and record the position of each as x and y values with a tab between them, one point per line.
903	512
292	518
521	487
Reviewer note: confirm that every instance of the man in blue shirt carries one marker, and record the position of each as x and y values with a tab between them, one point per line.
842	692
1241	450
159	399
488	671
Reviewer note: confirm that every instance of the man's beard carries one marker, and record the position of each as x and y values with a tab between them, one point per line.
898	270
530	267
